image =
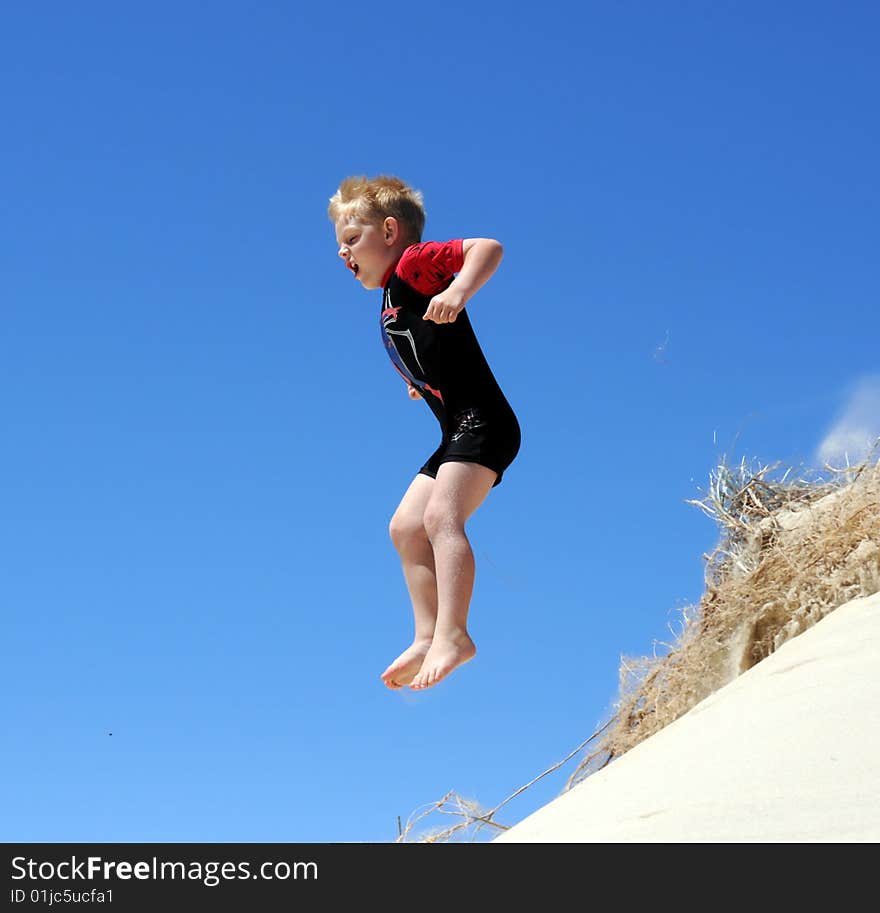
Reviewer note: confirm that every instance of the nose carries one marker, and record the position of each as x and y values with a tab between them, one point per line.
344	252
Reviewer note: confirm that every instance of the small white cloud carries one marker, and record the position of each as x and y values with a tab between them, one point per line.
856	430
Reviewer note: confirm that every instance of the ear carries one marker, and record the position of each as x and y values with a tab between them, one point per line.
391	230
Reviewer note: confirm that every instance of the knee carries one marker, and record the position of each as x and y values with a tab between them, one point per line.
406	531
439	522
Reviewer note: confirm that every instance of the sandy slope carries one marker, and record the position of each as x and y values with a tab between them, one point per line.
789	751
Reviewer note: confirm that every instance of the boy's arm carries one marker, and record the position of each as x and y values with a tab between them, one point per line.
481	259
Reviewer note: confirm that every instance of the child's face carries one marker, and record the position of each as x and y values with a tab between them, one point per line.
368	250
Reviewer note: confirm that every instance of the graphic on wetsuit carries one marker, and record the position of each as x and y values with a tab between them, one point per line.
389	317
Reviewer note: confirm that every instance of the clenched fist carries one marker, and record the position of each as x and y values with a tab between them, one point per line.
445	307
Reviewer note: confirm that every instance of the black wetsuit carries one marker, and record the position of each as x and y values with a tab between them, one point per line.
445	363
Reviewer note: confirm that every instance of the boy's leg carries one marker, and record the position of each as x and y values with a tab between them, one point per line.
417	561
459	489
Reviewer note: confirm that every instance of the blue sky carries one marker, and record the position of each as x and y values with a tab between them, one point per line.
203	441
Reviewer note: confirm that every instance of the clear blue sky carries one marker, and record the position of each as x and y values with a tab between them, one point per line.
203	440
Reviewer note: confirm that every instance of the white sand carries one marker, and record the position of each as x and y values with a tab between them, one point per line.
787	752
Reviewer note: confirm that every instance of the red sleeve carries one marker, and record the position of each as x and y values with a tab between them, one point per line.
429	267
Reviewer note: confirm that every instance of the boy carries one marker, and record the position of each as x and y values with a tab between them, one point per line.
429	338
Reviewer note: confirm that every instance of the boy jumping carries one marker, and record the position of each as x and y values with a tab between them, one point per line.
428	335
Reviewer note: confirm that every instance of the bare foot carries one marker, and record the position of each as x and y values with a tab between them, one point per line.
403	670
445	655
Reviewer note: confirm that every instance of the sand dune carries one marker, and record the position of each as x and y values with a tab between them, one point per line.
787	752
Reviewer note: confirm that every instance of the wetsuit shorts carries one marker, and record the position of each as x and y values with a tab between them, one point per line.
474	436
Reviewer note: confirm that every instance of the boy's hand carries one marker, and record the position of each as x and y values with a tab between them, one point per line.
445	307
413	393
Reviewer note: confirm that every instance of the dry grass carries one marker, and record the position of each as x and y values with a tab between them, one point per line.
472	818
791	550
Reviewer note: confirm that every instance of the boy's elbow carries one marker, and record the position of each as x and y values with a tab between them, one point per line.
488	248
496	247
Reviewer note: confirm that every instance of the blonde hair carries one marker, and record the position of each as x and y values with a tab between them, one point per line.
374	199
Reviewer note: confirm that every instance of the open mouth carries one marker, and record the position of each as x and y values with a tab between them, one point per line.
354	267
